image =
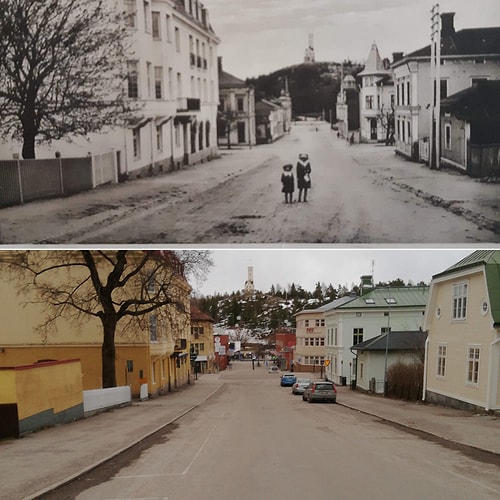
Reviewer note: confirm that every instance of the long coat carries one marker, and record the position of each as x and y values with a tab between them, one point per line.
288	182
303	168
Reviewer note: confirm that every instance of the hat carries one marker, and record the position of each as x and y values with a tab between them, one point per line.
288	167
303	156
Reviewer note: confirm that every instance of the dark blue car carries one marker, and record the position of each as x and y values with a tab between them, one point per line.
287	380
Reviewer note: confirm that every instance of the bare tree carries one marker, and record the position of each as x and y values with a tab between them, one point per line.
386	120
61	69
115	286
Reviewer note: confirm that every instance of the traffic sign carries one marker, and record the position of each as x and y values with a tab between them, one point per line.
327	362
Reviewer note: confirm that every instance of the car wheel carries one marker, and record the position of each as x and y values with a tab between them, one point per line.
309	400
303	398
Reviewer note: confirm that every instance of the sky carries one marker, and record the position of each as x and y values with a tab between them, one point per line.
306	267
261	36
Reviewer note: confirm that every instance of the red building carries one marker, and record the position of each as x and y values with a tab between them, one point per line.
221	350
285	346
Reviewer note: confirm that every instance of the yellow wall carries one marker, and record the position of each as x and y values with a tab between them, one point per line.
7	386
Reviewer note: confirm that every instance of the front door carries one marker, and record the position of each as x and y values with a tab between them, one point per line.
373	129
241	132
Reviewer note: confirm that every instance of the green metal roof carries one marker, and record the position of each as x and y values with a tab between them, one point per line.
414	296
489	260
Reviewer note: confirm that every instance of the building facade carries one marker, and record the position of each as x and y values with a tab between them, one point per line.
376	99
202	341
236	122
467	56
154	351
348	109
462	356
372	314
172	82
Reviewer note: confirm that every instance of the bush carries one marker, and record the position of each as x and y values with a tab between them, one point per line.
404	381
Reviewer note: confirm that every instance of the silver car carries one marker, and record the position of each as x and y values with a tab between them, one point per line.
300	385
320	391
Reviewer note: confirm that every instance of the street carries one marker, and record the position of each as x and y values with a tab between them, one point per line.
360	194
254	440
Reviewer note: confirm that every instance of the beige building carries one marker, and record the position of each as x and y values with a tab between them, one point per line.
462	361
310	336
152	351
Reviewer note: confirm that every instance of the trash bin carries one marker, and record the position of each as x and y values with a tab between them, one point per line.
344	380
353	385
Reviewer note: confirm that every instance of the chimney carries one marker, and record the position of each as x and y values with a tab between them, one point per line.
447	24
219	63
397	56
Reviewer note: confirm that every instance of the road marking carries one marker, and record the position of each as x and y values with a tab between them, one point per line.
186	470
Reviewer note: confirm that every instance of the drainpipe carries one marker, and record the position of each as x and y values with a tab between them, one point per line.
491	378
424	388
356	372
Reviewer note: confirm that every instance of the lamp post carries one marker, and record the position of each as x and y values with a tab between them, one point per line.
387	342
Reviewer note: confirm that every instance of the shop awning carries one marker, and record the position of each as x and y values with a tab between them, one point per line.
138	121
201	358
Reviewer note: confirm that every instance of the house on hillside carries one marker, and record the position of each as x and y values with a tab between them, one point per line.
373	356
470	128
236	113
467	56
155	354
375	312
462	355
376	99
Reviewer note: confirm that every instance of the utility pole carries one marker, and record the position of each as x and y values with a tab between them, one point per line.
435	107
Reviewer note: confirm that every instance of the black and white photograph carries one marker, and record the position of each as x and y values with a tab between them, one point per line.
170	122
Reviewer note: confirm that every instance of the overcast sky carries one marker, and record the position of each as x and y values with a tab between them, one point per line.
261	36
306	267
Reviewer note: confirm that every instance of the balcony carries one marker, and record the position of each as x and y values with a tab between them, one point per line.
188	104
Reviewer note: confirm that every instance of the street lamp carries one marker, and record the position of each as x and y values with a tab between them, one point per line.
388	300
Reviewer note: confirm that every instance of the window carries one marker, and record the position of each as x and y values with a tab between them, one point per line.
131	14
447	136
149	74
136	142
179	85
403	102
359	314
459	301
336	340
441	362
444	88
357	336
321	341
397	94
159	138
133	79
153	333
390	300
177	136
151	283
369	102
156	25
408	131
361	369
385	329
197	331
169	28
177	39
192	56
241	104
369	301
158	82
147	27
306	322
170	82
202	346
473	365
320	322
408	93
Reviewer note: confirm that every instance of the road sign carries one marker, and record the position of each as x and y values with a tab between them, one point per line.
327	362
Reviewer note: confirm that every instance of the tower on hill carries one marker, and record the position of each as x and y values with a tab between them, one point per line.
309	54
249	288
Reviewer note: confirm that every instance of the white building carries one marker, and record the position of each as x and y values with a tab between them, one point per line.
376	99
172	77
368	316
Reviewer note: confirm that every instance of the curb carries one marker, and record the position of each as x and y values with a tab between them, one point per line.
87	469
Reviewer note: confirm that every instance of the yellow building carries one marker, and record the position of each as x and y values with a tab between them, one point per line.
150	348
462	356
202	341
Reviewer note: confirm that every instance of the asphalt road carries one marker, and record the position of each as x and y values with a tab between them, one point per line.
254	440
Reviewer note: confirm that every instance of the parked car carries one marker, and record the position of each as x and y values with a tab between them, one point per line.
320	391
300	386
273	369
287	380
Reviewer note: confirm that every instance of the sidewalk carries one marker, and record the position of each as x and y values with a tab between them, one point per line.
43	460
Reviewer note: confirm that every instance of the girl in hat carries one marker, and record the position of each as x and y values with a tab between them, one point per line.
303	175
288	182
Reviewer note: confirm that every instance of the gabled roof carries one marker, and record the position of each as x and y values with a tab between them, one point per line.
393	297
466	42
266	105
489	260
329	306
481	101
396	341
197	315
228	81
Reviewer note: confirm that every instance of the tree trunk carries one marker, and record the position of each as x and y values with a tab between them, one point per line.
229	135
108	353
29	129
